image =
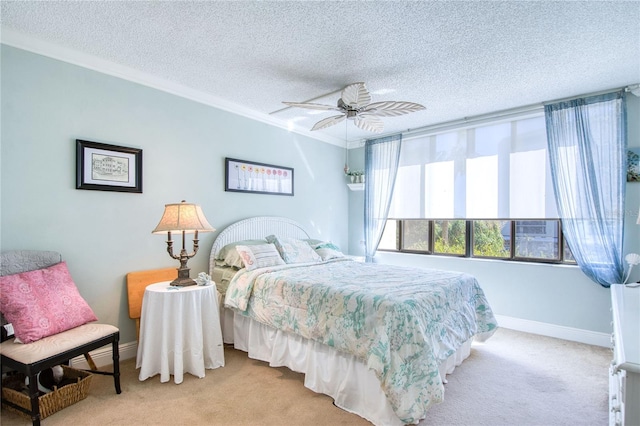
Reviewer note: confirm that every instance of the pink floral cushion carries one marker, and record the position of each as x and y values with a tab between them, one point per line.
43	302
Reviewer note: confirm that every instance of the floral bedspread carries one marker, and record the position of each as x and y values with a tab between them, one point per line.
401	322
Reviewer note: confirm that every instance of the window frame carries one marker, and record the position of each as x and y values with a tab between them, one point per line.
469	223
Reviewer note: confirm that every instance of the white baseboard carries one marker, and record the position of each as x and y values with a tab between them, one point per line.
557	331
102	356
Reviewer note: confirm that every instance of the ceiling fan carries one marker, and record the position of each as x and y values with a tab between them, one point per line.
354	104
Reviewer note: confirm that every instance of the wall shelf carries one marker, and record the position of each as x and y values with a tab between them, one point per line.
356	186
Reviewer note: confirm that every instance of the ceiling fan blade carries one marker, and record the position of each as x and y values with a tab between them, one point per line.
356	95
369	123
328	122
391	109
309	105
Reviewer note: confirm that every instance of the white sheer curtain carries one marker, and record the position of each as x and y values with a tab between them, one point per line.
587	147
380	166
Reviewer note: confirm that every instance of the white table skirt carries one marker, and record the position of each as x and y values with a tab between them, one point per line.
179	332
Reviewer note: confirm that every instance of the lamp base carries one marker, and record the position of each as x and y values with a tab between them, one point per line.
183	279
183	282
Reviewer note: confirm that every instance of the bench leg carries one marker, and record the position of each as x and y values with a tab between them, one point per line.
116	364
34	394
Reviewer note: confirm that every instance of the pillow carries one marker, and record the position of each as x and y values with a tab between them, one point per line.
294	251
259	256
233	259
312	241
43	302
328	250
229	255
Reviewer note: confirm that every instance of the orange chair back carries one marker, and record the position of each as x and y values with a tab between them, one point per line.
137	282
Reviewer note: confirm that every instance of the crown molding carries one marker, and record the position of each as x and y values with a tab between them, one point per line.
634	89
32	44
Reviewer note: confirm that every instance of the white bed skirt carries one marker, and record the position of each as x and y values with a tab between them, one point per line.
347	380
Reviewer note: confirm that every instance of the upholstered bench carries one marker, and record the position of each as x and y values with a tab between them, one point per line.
31	358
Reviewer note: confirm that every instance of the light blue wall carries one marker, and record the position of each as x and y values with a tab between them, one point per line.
48	104
553	294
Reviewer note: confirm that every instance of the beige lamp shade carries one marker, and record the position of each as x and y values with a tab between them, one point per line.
185	217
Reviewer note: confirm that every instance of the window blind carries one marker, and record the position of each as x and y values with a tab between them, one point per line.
495	170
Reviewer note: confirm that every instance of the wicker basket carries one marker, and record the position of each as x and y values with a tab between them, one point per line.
55	400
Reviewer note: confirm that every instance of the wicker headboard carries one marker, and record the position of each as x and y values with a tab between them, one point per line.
256	228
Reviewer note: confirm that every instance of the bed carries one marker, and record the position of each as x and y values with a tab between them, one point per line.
378	339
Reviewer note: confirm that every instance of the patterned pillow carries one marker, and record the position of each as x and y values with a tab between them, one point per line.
259	256
328	250
43	302
294	251
229	255
233	259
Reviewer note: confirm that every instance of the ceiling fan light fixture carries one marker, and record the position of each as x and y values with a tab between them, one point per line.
355	104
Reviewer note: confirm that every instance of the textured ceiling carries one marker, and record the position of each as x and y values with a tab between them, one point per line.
458	59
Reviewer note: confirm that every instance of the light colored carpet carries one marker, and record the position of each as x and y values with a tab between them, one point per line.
513	379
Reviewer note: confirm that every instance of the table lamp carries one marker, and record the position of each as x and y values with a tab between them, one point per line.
186	218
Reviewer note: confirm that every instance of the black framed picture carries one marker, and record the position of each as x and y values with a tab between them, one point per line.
103	167
259	178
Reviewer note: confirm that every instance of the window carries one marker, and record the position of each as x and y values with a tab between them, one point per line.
415	235
389	239
534	241
492	238
466	191
450	237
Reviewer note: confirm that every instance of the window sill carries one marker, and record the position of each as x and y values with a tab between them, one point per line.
446	257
